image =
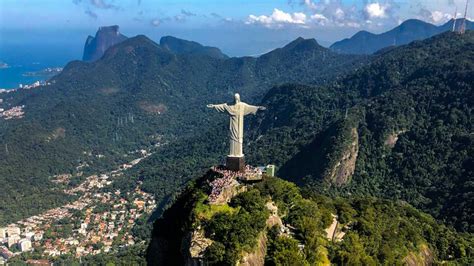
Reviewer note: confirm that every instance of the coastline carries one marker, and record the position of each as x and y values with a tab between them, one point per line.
14	77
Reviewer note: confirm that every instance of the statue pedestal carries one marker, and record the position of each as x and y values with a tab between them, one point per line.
236	164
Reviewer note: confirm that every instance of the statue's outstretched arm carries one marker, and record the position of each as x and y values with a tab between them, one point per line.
219	107
251	109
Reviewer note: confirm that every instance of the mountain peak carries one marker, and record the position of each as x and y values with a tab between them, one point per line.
141	39
180	46
414	21
413	26
105	37
299	39
362	34
139	45
302	43
114	29
449	25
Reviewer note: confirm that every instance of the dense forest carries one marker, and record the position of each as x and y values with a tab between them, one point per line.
375	231
411	109
95	115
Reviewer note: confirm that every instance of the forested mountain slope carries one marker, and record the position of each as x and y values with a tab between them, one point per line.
272	222
96	115
400	128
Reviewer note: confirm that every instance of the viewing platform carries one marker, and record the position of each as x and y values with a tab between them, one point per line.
227	186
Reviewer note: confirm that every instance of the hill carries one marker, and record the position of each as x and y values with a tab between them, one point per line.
397	128
410	30
139	95
181	46
272	223
104	38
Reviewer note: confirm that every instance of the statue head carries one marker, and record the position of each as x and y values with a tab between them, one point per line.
237	98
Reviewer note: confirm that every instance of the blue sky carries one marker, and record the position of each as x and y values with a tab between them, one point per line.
239	27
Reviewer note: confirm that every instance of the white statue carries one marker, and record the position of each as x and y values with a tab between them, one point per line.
237	113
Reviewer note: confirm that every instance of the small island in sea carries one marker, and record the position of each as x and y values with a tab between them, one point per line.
3	65
50	71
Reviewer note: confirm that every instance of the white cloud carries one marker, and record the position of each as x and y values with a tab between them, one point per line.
188	13
91	14
342	14
438	16
319	17
277	19
299	18
353	25
339	14
100	4
376	10
435	16
181	18
310	4
155	22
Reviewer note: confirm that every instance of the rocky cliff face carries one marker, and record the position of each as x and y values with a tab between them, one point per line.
104	38
257	256
423	257
342	172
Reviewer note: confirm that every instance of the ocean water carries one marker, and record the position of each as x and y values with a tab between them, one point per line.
12	76
30	52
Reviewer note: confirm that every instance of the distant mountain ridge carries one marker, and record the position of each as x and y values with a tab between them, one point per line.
105	37
181	46
365	42
108	36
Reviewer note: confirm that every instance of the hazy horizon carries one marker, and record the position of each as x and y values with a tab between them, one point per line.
238	28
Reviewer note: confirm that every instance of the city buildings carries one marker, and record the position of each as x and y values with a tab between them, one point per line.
79	226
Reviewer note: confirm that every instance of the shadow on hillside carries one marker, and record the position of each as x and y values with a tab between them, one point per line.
310	163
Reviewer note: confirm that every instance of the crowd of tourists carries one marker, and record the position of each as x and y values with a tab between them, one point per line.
252	171
218	185
228	179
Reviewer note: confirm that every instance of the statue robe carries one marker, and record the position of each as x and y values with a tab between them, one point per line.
236	127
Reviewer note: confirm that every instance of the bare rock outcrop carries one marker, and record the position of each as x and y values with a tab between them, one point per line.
335	231
341	173
257	257
105	37
197	244
393	138
423	258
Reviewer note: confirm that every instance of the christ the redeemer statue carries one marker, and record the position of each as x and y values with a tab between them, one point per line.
235	159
